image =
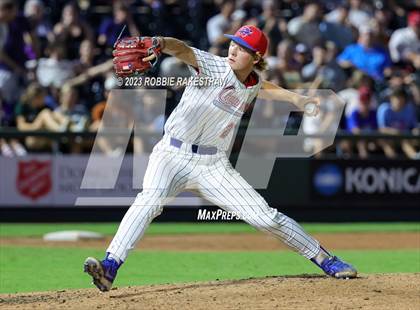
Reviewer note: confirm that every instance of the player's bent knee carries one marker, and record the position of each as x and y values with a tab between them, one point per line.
148	208
152	201
267	220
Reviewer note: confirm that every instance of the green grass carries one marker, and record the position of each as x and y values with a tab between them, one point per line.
24	269
36	230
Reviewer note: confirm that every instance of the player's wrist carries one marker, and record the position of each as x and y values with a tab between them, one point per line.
162	42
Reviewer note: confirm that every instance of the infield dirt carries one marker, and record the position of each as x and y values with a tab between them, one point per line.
380	291
241	242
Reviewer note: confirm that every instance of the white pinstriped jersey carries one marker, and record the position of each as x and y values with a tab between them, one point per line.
205	116
209	115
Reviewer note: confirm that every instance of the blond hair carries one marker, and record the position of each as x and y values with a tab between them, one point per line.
262	64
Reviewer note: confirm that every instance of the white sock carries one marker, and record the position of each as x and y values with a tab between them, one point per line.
321	256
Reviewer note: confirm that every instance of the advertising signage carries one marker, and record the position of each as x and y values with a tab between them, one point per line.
365	179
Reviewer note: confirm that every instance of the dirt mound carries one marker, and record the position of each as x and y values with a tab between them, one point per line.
380	291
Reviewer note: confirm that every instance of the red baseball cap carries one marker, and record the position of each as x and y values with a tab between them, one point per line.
250	37
414	18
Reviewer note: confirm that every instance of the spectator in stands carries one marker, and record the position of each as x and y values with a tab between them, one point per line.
350	95
358	15
286	65
268	115
110	28
14	50
87	59
401	76
398	117
227	21
325	123
365	56
106	145
33	114
150	118
90	89
72	30
351	98
56	69
98	109
71	108
71	58
290	8
272	25
327	70
305	28
13	146
112	113
34	11
363	120
404	44
338	31
301	55
381	24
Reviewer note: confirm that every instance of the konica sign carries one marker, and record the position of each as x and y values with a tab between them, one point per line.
372	178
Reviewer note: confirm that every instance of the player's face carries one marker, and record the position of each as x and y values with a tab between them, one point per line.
239	57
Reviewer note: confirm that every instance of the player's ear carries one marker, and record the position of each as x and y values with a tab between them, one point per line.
256	58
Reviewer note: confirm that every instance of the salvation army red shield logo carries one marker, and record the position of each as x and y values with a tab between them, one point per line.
34	178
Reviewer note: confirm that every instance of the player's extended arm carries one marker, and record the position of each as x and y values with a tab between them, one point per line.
137	55
176	48
274	92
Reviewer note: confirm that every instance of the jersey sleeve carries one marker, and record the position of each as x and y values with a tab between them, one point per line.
208	64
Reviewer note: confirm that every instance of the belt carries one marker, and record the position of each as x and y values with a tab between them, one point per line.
198	149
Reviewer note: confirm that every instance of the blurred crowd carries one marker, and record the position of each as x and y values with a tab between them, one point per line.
56	63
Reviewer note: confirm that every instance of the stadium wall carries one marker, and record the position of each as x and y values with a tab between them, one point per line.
48	188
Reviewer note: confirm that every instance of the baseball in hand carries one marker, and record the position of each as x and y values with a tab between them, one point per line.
310	108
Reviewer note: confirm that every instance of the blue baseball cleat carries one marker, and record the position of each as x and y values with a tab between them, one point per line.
335	267
103	273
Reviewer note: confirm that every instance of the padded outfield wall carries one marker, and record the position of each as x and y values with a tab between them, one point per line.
48	188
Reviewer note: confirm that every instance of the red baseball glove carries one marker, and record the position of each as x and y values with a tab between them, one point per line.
129	53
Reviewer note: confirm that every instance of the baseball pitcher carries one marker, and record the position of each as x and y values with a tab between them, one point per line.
192	152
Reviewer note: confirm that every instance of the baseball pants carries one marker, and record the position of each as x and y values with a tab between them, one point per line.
172	170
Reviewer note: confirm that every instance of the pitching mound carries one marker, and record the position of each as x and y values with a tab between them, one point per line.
381	291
